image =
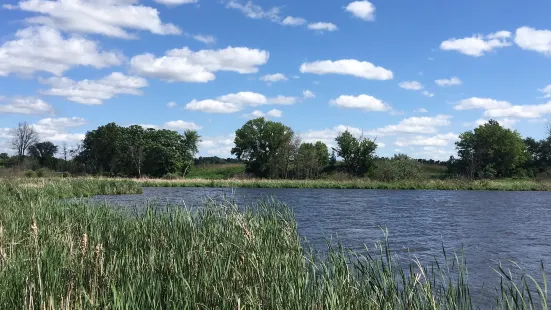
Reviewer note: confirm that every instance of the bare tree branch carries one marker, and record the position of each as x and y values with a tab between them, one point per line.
23	136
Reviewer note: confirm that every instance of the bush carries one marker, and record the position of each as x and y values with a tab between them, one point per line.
171	176
400	167
43	172
30	174
66	174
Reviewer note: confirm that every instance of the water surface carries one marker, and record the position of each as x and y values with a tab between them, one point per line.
489	226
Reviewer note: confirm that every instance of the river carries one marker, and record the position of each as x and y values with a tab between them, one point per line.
489	226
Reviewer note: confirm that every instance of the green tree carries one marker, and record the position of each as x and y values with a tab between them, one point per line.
491	151
399	167
43	153
357	153
266	147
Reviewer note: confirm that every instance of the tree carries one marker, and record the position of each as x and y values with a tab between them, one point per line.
265	146
65	153
44	153
491	151
23	136
357	154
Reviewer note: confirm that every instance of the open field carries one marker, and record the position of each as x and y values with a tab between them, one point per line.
451	184
57	254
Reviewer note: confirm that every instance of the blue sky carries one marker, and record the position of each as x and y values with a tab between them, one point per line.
412	74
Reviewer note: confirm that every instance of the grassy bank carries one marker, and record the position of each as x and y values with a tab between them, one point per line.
501	185
56	254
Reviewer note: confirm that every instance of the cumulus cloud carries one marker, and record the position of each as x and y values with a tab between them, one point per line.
478	45
244	98
362	9
283	100
216	145
94	92
185	65
274	113
293	21
207	39
176	2
171	104
362	102
420	125
26	105
182	125
546	91
437	140
534	40
362	69
55	129
321	26
421	110
481	103
448	82
427	93
276	77
308	94
255	11
106	17
411	85
212	106
45	49
505	122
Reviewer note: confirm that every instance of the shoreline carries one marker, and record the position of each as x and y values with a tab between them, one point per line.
490	185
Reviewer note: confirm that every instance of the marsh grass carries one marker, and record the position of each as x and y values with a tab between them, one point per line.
423	184
59	254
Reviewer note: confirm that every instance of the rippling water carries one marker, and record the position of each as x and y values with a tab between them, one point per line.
490	226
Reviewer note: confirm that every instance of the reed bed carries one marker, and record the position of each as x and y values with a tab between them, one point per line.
67	254
452	184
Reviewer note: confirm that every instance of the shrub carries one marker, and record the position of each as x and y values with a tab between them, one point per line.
66	174
43	172
171	176
400	167
30	174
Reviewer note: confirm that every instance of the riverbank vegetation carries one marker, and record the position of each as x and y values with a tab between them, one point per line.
67	254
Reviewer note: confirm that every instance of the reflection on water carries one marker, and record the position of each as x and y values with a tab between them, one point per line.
489	226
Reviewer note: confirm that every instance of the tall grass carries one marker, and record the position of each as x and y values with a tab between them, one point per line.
59	254
451	184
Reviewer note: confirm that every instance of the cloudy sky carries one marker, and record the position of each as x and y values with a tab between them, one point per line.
412	74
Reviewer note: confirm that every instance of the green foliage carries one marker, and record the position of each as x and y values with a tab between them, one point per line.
66	174
400	167
43	172
357	154
311	159
30	174
265	146
490	151
172	176
213	172
43	153
134	151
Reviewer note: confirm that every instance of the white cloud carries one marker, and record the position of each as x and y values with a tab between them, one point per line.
26	105
534	40
320	26
244	98
521	111
171	104
481	103
283	100
308	94
363	102
176	2
448	82
218	145
212	106
362	9
411	85
184	65
478	45
276	77
182	125
45	49
505	122
257	113
421	110
107	17
421	125
207	39
54	129
254	11
293	21
427	93
437	140
362	69
546	91
94	92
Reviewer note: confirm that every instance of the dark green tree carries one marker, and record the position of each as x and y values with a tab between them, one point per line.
357	153
266	147
43	153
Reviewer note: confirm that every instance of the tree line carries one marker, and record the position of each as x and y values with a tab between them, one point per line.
271	149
